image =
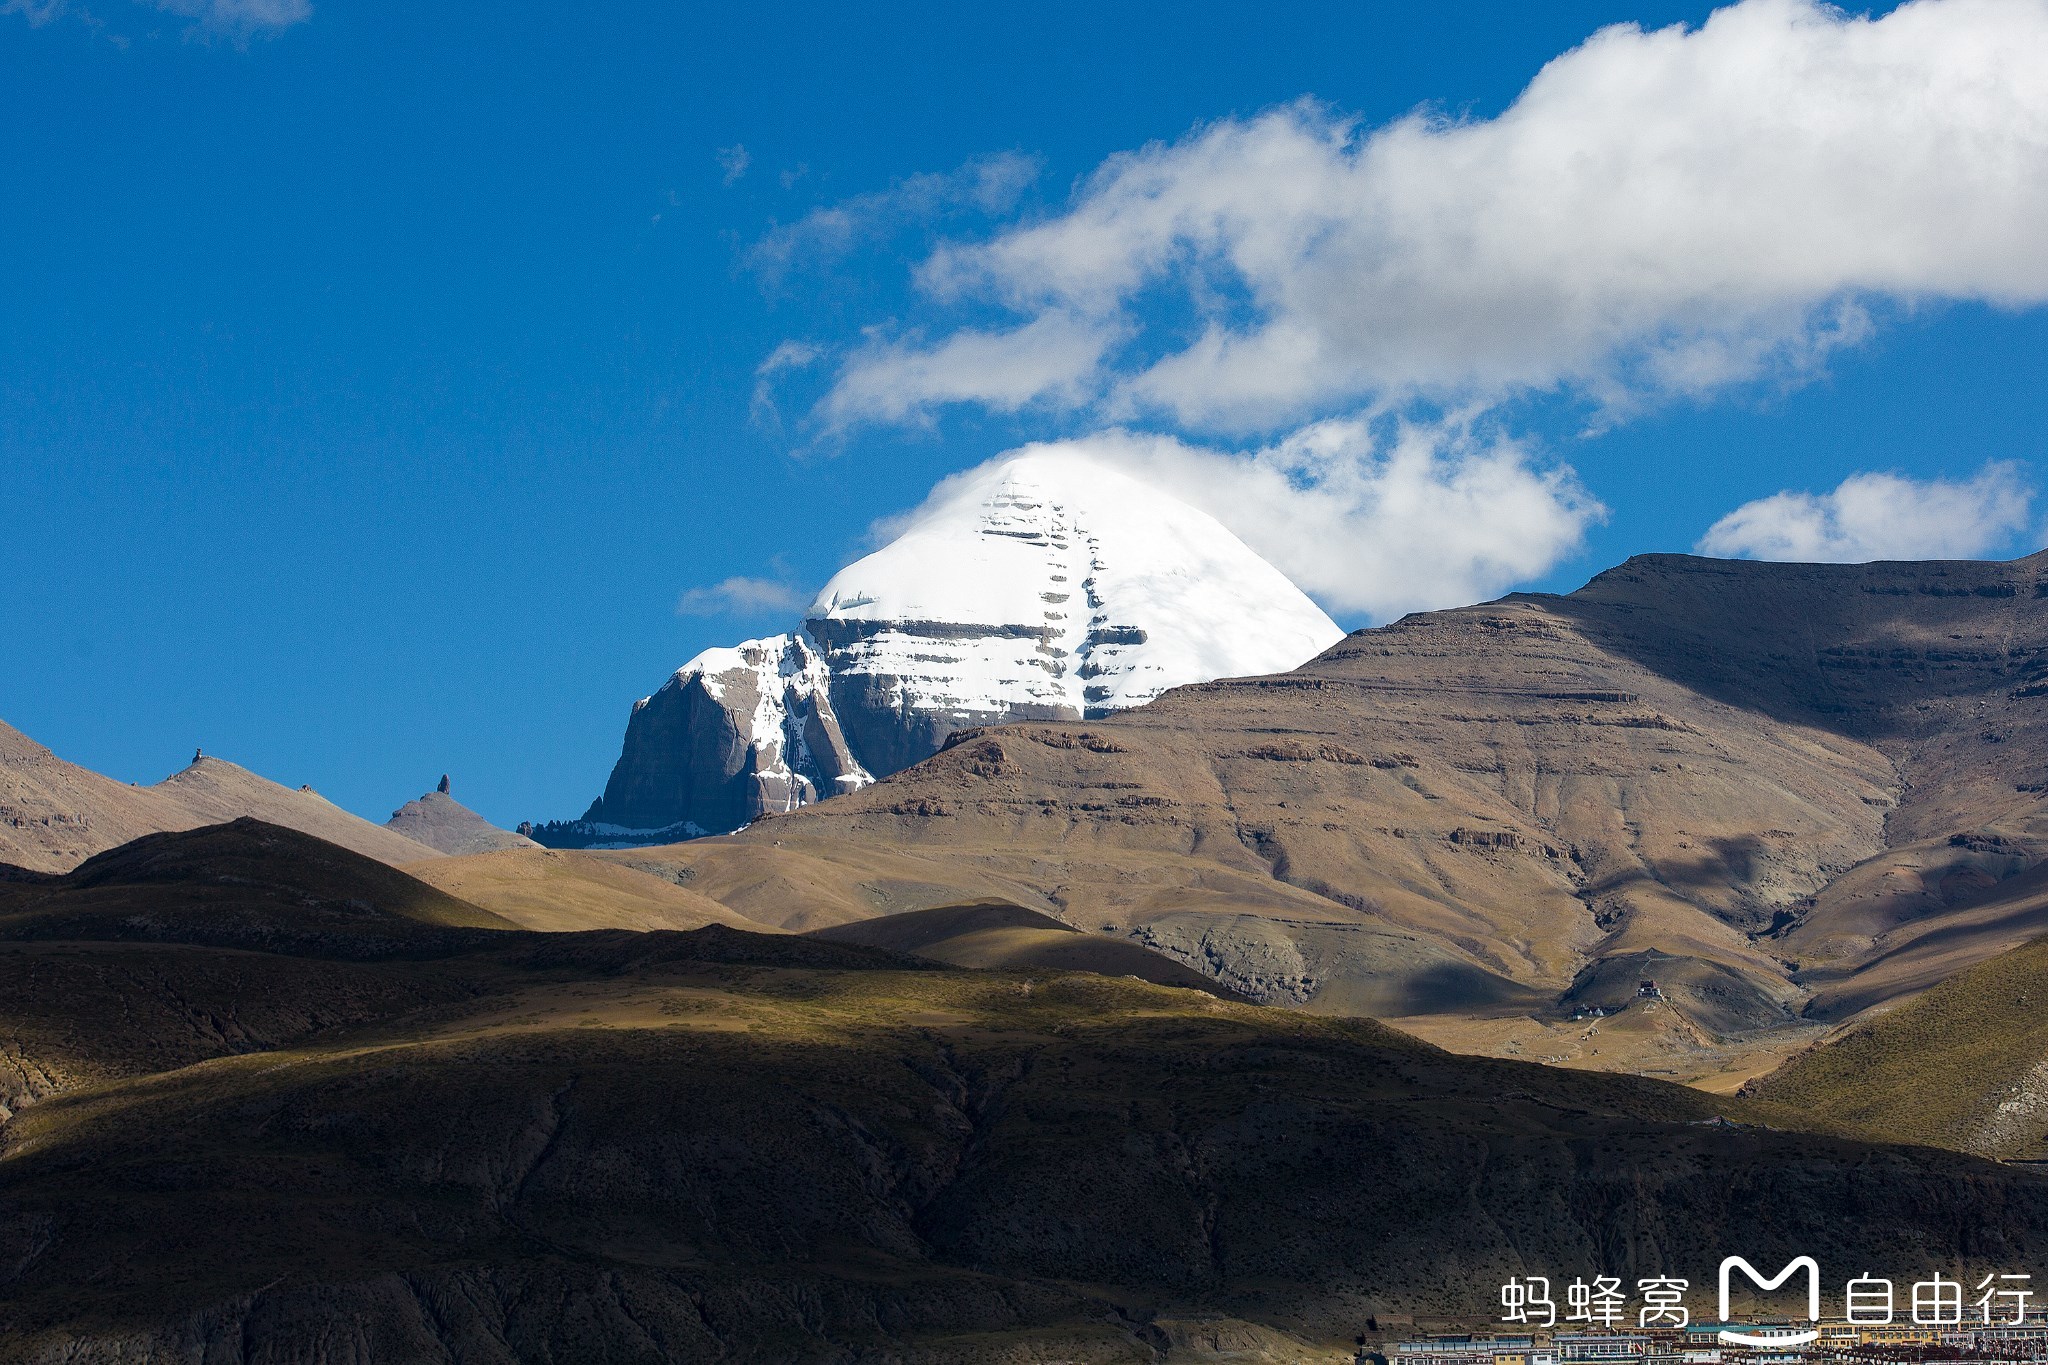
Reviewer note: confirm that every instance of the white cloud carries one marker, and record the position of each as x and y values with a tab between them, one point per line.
790	355
733	161
1880	516
1047	360
741	596
235	20
239	20
1374	516
1658	214
986	184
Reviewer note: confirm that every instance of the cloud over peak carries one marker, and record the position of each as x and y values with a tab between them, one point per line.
741	596
1374	515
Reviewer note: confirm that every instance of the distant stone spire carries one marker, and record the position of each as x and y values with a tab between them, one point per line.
443	788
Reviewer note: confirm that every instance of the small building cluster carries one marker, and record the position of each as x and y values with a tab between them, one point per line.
1701	1344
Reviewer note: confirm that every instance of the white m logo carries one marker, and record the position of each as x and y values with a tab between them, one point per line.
1798	1263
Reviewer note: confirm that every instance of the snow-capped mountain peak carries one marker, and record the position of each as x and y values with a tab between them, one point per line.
1045	586
1049	585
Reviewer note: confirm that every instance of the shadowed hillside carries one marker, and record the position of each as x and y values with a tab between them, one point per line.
745	1147
244	884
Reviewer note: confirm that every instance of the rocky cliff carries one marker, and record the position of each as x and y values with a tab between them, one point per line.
734	734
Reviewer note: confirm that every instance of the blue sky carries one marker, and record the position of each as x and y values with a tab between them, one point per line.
375	380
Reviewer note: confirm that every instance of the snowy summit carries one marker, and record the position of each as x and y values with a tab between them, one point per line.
1041	587
1049	586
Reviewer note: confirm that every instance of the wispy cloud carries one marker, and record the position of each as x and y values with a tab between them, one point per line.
235	21
986	185
741	596
733	161
1047	360
1881	516
238	20
790	355
37	12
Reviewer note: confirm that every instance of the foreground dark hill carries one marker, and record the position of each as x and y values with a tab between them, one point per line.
727	1146
243	884
1698	771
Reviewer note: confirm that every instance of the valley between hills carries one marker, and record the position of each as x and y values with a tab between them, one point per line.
1700	908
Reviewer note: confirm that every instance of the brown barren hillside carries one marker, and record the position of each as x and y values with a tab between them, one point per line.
1690	770
447	826
54	815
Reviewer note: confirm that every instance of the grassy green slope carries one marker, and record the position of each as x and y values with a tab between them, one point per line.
1963	1066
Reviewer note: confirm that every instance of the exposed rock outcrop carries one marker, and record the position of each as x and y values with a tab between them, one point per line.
733	735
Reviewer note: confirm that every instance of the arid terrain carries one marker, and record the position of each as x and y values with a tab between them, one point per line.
1232	1022
54	814
1784	793
270	1100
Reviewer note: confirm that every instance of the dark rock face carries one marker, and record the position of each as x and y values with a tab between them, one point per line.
735	734
891	731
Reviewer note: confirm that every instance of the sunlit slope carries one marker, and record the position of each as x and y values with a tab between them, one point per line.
560	889
54	815
998	935
1964	1065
